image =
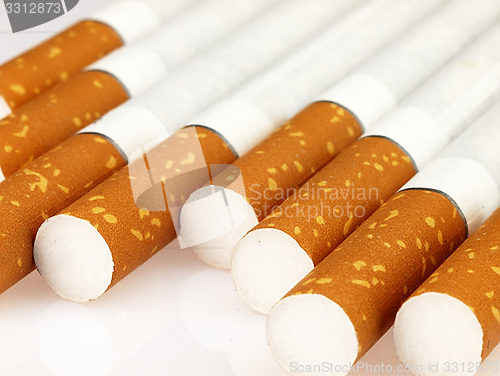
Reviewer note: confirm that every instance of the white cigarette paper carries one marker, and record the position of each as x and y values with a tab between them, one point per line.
439	110
206	79
374	88
132	19
140	65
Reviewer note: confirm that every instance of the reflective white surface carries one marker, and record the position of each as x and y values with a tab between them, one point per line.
173	316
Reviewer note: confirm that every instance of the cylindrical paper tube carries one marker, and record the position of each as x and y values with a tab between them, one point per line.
456	309
53	61
453	317
43	188
206	79
364	281
268	101
369	81
120	233
51	118
280	250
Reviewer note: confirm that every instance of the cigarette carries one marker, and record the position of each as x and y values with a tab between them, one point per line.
456	308
325	210
269	100
43	188
119	234
55	60
364	281
164	109
127	72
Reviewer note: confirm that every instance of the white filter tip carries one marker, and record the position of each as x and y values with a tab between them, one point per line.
435	330
266	264
311	335
73	258
5	109
213	220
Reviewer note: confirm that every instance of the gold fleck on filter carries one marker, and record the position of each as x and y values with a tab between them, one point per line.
366	279
54	61
51	118
118	233
41	189
283	248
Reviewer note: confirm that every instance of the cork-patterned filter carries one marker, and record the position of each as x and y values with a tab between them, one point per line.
379	265
43	188
342	195
303	230
54	61
135	234
294	152
52	117
471	275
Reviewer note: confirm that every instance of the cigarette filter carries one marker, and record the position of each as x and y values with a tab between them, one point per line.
117	235
164	108
363	282
49	119
43	188
54	61
284	247
453	316
270	99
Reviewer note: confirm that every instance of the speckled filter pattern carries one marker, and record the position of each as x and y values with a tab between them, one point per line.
335	201
54	61
134	234
381	263
43	188
294	152
54	116
471	275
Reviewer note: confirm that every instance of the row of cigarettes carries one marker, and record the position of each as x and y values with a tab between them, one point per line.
236	126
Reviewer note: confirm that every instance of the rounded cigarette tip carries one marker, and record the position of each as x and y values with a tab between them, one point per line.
311	334
213	220
266	264
73	258
432	330
4	108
